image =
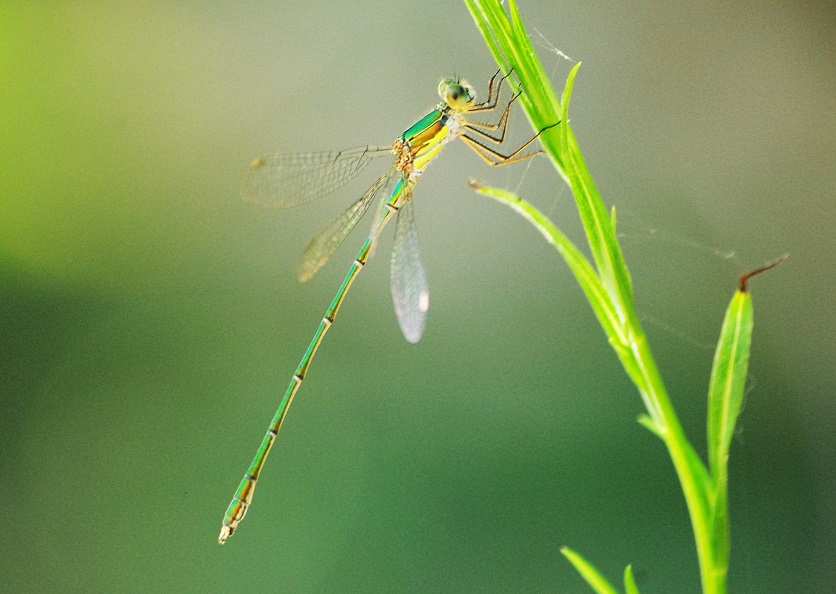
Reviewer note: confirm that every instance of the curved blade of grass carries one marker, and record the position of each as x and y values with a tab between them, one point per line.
510	45
592	576
728	378
728	373
609	319
506	39
725	397
512	48
629	581
583	271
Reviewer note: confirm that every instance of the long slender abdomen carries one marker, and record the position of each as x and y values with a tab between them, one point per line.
242	499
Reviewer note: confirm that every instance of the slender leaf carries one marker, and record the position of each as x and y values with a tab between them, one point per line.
649	424
592	576
608	287
728	378
629	581
583	271
725	397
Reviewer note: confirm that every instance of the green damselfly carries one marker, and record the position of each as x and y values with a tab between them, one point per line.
282	181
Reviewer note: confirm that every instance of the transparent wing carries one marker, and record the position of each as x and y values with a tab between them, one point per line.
322	246
282	181
405	194
410	293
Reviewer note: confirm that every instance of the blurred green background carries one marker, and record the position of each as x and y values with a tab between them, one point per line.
150	320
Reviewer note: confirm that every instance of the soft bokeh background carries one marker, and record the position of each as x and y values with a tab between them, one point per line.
150	319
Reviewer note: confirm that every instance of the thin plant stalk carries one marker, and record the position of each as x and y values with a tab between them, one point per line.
607	284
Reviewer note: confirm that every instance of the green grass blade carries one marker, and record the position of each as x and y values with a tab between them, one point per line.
608	287
648	423
592	576
583	271
544	109
728	378
511	47
720	528
629	581
725	397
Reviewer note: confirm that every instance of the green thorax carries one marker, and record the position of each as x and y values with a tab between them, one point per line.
426	137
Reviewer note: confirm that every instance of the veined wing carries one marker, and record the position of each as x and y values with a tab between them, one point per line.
410	293
405	194
322	246
286	180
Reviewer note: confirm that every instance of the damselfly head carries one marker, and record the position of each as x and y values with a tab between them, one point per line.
457	93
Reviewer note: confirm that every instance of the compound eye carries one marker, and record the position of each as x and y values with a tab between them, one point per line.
456	93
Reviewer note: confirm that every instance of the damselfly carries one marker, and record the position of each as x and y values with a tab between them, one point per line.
288	180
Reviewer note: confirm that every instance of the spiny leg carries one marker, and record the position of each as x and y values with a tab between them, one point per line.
494	158
502	124
491	127
490	103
